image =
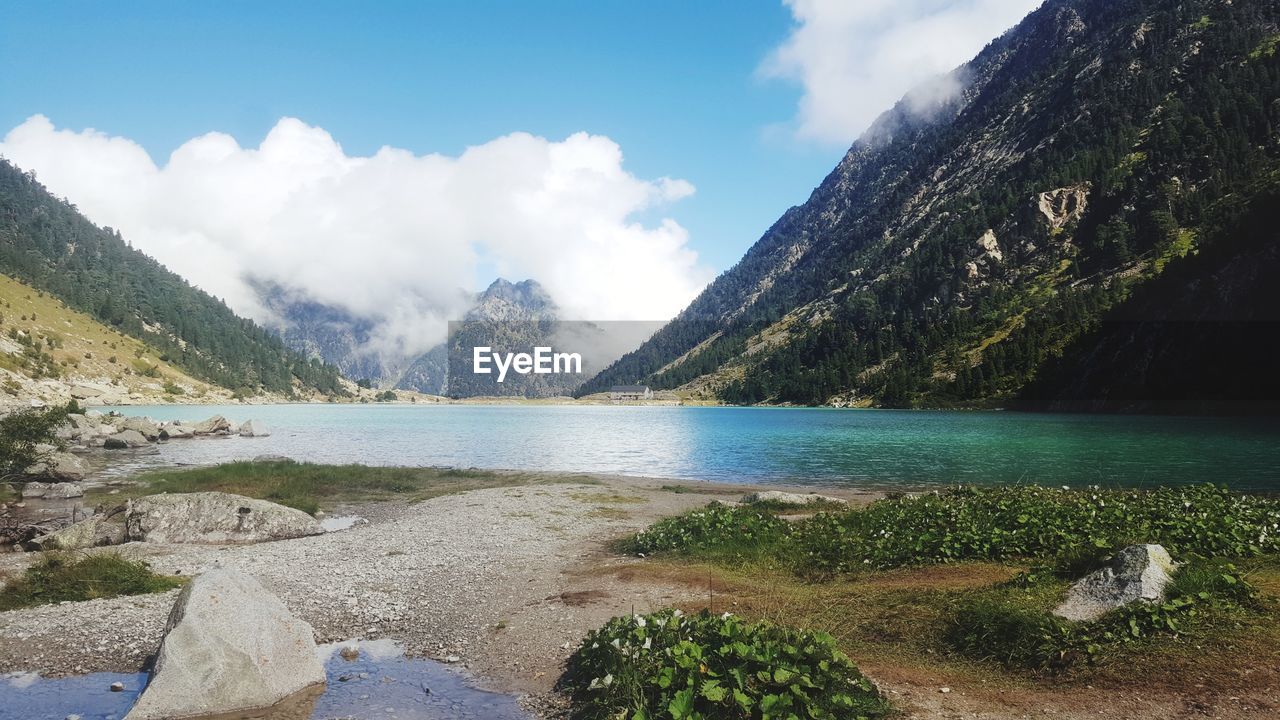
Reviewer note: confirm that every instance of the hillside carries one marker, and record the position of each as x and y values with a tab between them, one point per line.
48	244
51	353
996	248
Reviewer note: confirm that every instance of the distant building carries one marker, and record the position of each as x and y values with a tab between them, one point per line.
628	393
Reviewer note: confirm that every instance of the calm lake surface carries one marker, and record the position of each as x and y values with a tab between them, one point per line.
857	448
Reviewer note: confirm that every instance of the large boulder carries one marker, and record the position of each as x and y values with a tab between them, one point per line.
63	491
786	498
94	532
214	517
84	392
231	646
176	430
35	490
1138	572
216	425
254	428
143	426
61	466
125	439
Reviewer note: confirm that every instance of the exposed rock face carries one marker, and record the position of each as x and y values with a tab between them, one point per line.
216	425
143	426
1138	572
176	430
1063	205
254	428
214	517
787	498
231	646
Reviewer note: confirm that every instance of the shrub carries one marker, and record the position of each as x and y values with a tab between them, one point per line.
1014	626
717	527
22	431
60	577
671	665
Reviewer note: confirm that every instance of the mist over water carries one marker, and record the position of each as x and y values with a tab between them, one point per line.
872	449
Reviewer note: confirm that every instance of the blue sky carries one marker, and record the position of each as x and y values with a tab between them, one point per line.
673	83
622	154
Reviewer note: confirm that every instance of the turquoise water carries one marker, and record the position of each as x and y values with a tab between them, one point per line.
858	448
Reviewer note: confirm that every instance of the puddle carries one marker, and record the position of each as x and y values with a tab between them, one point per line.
27	696
379	683
340	522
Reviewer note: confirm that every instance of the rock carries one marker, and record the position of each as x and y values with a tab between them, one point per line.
1063	205
130	438
61	466
787	498
114	444
216	425
214	517
64	490
176	430
117	687
254	428
1138	572
143	426
231	646
96	531
35	489
84	392
271	458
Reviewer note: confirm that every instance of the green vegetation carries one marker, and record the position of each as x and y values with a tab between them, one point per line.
969	523
708	667
868	296
1012	624
48	244
944	580
310	487
59	577
22	431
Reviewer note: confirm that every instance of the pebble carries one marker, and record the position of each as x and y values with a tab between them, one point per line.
117	687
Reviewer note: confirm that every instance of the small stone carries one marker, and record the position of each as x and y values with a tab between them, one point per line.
944	690
349	652
453	659
117	687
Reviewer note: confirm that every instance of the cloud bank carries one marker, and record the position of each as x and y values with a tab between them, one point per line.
396	238
854	60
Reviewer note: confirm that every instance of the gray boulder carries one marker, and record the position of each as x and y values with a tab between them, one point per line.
143	426
61	466
216	425
63	491
787	498
1136	573
254	428
94	532
35	490
231	646
176	430
214	518
125	438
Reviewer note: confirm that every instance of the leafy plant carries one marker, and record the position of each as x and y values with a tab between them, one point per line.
717	527
708	667
21	434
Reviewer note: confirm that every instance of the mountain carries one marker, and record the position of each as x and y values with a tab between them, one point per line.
1090	212
47	244
510	316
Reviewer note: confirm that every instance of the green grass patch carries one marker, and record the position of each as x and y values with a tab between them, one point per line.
310	487
59	577
672	665
1015	524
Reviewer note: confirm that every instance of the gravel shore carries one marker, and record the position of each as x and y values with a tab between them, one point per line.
503	581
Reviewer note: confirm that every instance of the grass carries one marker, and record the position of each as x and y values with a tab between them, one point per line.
59	577
311	487
961	583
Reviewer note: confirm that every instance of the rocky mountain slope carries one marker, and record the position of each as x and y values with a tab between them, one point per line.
51	354
47	244
997	247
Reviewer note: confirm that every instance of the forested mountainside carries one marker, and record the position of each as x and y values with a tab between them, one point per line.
46	243
1021	243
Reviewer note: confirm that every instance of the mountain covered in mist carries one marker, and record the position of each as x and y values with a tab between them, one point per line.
1089	223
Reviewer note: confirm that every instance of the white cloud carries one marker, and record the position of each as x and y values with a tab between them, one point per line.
856	58
392	237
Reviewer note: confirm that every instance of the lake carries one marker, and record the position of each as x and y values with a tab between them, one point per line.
874	449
